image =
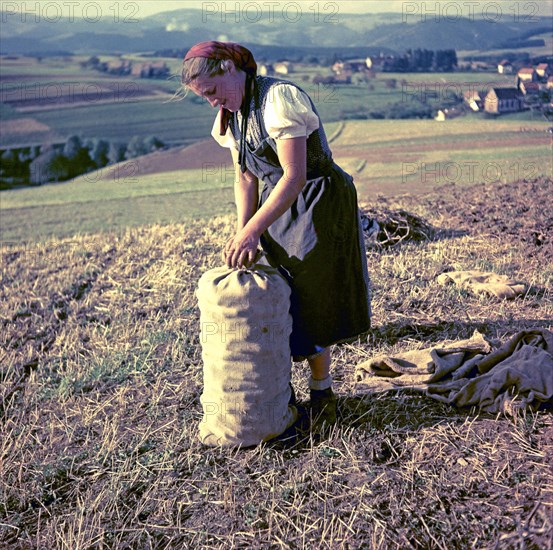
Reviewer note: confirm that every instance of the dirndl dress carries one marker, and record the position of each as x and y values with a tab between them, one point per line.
317	244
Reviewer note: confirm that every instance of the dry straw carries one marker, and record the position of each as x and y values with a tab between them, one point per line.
101	377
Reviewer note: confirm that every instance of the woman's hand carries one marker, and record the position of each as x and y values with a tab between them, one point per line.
241	250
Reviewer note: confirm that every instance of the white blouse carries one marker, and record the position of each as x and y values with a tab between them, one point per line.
287	114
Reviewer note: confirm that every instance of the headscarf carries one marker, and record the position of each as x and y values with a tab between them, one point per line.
242	59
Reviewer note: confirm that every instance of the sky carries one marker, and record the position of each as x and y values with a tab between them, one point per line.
139	9
524	7
147	7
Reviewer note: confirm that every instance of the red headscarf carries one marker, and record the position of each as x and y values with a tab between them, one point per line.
241	56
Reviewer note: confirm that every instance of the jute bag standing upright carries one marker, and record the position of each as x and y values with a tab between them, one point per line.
245	328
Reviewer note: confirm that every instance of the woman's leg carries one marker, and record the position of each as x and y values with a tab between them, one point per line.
320	365
323	400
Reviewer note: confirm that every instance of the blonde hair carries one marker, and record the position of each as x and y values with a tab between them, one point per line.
202	66
193	68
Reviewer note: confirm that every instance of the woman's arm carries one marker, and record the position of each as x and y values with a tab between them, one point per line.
246	193
246	197
292	154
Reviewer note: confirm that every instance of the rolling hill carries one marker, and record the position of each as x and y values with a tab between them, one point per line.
181	28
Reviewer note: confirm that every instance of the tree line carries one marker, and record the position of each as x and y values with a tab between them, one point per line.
421	60
36	165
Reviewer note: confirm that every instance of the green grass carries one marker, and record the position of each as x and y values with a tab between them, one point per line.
358	132
91	188
385	157
7	112
533	51
175	120
40	223
84	206
29	66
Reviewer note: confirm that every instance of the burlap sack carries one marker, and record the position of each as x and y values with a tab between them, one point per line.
245	327
484	282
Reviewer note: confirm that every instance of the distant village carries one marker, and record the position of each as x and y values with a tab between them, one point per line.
532	89
532	85
126	67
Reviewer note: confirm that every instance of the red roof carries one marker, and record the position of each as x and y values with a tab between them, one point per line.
531	86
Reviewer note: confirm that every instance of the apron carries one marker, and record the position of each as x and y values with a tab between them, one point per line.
317	244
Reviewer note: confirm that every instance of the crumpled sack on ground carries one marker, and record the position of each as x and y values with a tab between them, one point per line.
518	374
484	282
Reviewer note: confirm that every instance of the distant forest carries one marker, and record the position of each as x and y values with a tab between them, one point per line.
417	60
422	60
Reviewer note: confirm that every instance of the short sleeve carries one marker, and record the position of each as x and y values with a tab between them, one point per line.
288	113
224	141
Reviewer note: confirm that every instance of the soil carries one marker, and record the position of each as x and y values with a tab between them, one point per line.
193	157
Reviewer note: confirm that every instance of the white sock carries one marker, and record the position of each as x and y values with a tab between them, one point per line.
323	384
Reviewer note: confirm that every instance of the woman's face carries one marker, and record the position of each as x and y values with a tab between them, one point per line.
225	89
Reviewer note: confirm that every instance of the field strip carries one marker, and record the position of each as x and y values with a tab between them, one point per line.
358	132
39	223
155	96
459	140
93	189
23	126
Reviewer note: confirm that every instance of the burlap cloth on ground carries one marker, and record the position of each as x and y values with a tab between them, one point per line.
518	374
483	282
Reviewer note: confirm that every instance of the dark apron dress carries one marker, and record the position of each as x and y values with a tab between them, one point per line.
317	244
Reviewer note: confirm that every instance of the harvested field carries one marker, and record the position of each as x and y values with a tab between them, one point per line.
23	126
519	140
26	130
101	375
205	154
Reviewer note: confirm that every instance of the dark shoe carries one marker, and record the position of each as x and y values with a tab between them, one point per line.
323	409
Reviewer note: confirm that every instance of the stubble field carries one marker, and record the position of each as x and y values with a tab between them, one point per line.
101	376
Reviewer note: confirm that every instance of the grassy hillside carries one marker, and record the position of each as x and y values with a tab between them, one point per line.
101	376
384	157
88	206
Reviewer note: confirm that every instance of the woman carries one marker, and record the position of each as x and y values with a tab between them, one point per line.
305	217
